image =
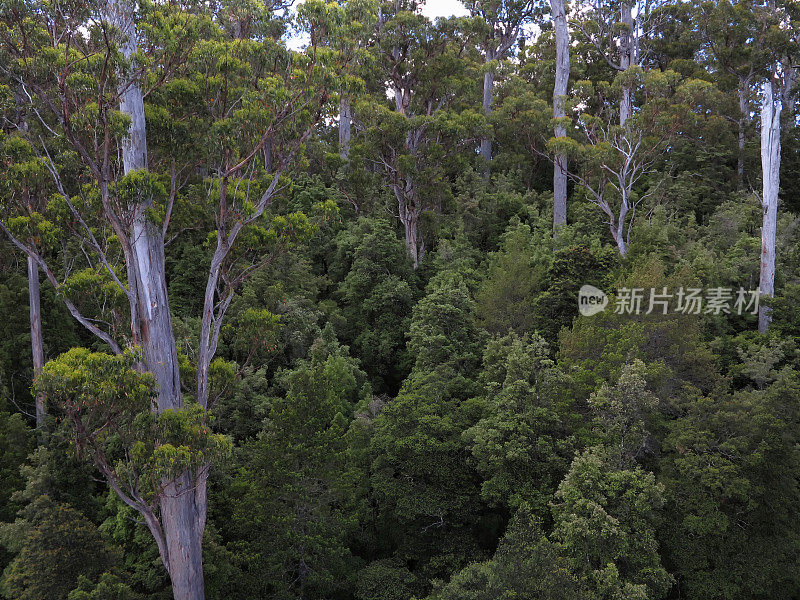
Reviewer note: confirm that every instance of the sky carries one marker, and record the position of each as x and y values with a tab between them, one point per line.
431	9
443	8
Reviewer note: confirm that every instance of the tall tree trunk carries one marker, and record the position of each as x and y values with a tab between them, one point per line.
488	90
790	77
744	119
345	120
37	345
409	217
770	167
183	511
559	93
627	58
618	230
34	296
183	505
619	238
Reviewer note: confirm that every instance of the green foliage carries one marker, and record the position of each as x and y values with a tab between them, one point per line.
140	563
419	472
384	580
522	443
106	403
597	347
514	277
59	332
57	546
731	492
377	291
299	480
525	565
623	413
605	521
444	425
15	443
108	587
571	268
443	333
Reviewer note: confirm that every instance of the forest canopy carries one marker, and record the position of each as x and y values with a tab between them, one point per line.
333	300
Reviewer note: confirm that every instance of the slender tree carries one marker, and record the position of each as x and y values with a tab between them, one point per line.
562	40
498	25
777	94
34	294
734	35
615	162
423	64
355	34
619	33
770	168
183	504
37	343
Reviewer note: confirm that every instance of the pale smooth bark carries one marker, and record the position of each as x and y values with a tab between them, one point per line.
559	93
743	122
492	53
409	204
37	344
628	57
770	168
345	121
217	299
182	505
488	89
618	232
34	295
633	161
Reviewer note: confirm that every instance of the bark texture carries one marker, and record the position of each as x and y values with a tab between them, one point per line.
409	212
37	344
743	122
345	121
628	58
770	167
183	504
404	187
559	93
488	89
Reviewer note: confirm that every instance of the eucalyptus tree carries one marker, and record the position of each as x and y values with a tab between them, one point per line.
618	165
619	31
777	93
356	33
562	40
770	174
735	39
497	25
215	103
418	123
26	184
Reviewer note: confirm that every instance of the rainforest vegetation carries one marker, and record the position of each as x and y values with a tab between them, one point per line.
289	300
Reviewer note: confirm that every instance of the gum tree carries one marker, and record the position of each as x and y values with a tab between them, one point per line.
496	25
86	72
616	163
411	132
562	39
